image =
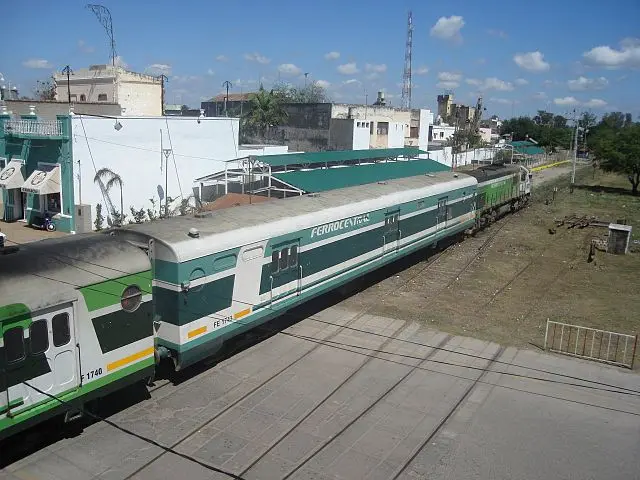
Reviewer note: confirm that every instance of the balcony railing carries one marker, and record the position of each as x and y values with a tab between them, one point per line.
38	128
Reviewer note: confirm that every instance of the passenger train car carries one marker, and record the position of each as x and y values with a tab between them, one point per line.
83	315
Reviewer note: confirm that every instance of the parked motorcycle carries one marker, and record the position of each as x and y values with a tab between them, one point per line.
45	223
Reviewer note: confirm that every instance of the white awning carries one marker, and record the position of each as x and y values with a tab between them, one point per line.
11	175
43	181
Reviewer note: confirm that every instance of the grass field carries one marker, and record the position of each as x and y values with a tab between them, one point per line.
526	275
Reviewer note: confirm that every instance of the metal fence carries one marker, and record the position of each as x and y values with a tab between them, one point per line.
591	343
33	127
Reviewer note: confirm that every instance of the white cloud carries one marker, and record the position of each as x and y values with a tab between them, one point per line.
37	63
222	58
449	80
595	103
497	33
348	69
322	83
159	69
84	48
422	70
540	96
521	81
491	83
184	78
332	56
351	81
448	28
372	76
119	61
566	101
583	83
256	57
372	67
604	56
289	69
531	61
211	72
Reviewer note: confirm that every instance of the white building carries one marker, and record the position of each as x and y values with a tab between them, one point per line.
132	147
441	133
136	93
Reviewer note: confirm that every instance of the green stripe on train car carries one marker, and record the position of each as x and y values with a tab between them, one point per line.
209	264
14	315
180	308
105	294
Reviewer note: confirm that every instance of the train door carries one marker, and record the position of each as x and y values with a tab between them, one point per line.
246	288
43	354
392	233
441	213
286	270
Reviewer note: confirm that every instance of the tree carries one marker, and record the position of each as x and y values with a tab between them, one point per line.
99	221
312	93
266	111
543	118
618	148
45	90
113	179
138	215
559	121
588	120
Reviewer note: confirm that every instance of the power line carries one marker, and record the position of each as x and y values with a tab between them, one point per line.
619	389
132	433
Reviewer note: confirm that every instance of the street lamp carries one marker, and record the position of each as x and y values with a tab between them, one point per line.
167	152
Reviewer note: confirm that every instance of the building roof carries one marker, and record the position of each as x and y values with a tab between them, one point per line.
233	97
233	200
333	156
230	227
526	147
321	180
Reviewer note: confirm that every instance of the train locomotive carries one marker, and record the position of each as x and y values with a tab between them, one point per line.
84	315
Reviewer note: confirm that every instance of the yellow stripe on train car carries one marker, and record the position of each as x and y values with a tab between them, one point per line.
131	358
197	331
241	313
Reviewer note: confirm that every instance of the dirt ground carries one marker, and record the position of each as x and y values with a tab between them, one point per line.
503	284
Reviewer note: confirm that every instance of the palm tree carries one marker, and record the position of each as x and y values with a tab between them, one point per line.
266	111
113	179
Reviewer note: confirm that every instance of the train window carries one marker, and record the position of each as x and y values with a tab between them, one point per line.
14	344
420	204
61	331
293	256
284	258
275	257
131	298
39	337
523	177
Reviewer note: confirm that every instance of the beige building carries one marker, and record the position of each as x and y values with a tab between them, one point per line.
136	93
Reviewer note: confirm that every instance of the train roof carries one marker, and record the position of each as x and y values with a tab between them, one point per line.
50	271
256	222
495	170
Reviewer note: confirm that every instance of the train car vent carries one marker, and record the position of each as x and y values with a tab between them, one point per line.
194	233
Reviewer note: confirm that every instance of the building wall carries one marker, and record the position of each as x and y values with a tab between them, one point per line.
396	137
426	120
49	110
485	134
341	133
34	151
134	153
140	98
441	133
361	135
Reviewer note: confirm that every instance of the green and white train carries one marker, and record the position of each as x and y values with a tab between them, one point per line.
84	315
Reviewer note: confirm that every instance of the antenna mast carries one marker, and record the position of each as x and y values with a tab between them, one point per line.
406	77
104	17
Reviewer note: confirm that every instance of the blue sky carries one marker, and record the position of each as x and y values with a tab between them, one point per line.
521	56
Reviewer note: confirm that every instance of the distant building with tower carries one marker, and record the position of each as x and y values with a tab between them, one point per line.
137	94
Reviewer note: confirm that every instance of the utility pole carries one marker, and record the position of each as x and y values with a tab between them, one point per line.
67	70
305	79
575	154
226	84
167	152
162	78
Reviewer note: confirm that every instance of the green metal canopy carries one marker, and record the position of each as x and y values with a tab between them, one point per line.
527	148
321	180
338	156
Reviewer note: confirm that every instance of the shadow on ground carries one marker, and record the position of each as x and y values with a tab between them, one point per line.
604	189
